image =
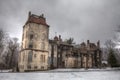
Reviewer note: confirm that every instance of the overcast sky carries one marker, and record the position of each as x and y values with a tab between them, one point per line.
81	19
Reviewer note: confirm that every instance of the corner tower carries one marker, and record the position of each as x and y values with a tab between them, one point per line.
34	49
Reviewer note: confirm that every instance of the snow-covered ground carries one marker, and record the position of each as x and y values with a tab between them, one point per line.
84	70
72	74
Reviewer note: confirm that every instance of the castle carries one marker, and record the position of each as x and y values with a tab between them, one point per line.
38	52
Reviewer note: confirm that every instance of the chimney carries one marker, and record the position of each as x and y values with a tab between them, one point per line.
98	43
42	18
42	15
56	38
29	13
88	42
60	38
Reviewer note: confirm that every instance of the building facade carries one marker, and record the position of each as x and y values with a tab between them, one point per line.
38	52
64	55
34	49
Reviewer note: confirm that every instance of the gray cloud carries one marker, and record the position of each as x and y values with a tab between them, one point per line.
81	19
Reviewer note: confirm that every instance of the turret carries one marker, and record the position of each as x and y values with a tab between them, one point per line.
56	38
98	44
34	44
60	39
88	42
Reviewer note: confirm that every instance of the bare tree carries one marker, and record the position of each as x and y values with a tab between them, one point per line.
110	44
1	41
117	36
13	50
9	49
117	43
2	48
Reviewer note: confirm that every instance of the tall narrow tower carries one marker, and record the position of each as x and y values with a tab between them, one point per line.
34	49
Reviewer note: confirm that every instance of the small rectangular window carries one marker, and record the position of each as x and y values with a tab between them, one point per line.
30	46
29	67
30	57
35	55
31	36
42	58
35	67
42	67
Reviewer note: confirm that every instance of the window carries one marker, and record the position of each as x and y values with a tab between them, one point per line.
30	56
42	58
31	36
49	60
29	67
30	46
42	67
35	67
23	56
35	55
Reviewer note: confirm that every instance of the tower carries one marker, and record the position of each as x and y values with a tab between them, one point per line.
34	49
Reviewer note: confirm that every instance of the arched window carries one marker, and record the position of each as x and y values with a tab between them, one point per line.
30	56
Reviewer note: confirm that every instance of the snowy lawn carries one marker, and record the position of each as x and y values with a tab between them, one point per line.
50	75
